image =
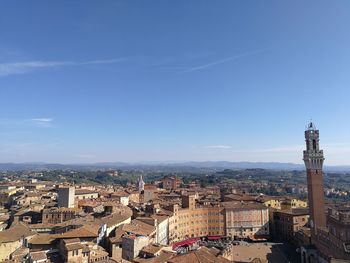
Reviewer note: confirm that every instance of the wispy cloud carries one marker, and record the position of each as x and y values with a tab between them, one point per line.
15	124
42	119
12	68
218	147
221	61
42	122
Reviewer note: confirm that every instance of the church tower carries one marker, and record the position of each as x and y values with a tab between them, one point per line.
313	158
141	184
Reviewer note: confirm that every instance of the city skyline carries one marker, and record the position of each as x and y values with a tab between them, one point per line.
164	81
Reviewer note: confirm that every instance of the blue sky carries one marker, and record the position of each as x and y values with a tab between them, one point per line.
90	81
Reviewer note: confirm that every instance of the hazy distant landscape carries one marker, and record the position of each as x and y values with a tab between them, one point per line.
275	181
163	166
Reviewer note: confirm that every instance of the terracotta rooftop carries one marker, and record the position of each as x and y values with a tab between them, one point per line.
15	232
118	235
150	187
84	192
120	194
240	197
152	249
160	218
138	227
243	205
163	257
202	255
40	255
86	231
117	218
296	211
42	239
74	246
62	209
71	241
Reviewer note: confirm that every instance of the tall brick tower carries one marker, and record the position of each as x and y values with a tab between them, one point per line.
313	158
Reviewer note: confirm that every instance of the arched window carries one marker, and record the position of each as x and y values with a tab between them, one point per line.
314	144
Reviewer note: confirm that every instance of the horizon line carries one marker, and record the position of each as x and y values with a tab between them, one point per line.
161	162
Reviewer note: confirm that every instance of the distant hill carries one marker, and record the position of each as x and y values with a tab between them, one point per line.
163	166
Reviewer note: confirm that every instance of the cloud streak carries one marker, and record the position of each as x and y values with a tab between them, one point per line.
43	119
221	61
218	147
13	68
42	122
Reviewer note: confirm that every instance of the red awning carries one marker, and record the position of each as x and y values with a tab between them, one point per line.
214	237
187	242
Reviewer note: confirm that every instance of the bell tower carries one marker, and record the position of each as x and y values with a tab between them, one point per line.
141	185
313	159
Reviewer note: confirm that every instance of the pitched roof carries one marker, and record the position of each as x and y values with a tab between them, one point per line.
74	246
202	255
152	249
15	232
139	228
117	218
42	239
114	219
81	232
160	218
301	211
39	255
119	232
163	257
71	241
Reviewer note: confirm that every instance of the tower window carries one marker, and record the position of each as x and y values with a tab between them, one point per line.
314	144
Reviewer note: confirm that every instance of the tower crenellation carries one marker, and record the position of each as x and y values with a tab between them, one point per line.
313	156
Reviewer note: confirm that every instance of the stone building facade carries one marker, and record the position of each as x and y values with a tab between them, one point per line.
245	220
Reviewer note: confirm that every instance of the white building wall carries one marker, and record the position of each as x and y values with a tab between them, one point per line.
163	232
66	197
124	200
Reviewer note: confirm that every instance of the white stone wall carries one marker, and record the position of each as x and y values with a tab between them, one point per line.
163	232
